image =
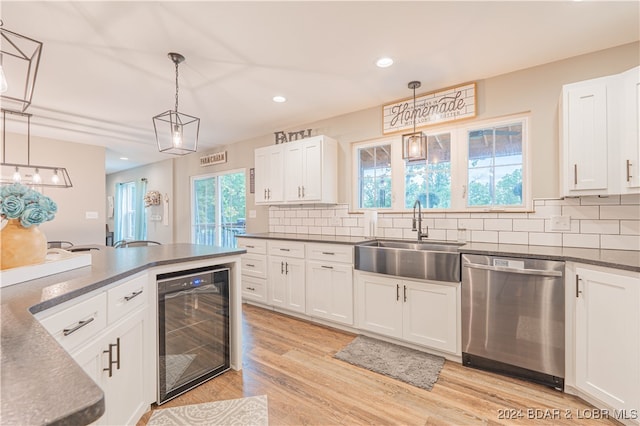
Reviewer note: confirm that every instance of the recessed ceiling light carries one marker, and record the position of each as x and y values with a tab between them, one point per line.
384	62
279	99
124	158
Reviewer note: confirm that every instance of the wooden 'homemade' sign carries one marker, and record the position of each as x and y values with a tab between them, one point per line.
454	103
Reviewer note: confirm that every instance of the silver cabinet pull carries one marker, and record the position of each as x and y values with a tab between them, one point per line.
326	267
328	253
251	265
251	288
132	295
68	331
575	174
397	292
265	193
578	291
629	171
248	246
282	267
111	361
302	191
298	192
286	268
405	293
284	249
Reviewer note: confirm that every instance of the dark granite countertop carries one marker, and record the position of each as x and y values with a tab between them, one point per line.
621	259
40	382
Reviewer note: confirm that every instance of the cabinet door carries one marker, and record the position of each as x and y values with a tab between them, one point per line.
586	136
262	179
330	291
380	304
607	327
312	170
430	315
277	287
630	148
296	294
269	162
293	180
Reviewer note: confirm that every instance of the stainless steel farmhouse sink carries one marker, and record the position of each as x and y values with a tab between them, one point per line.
427	260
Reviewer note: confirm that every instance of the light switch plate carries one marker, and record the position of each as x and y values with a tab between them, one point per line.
252	214
561	223
90	215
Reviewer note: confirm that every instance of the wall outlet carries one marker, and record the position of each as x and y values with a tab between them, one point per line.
561	223
90	215
252	214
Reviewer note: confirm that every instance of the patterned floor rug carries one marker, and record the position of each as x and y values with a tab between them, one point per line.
408	365
251	411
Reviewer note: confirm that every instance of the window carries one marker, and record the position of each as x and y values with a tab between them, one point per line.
374	177
130	215
218	208
495	166
478	167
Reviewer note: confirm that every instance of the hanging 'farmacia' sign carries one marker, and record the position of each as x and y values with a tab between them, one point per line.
454	103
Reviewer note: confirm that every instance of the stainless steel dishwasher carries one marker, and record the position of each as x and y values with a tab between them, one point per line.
513	317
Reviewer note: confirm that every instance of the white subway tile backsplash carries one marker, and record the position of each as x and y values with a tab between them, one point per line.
507	237
630	227
581	240
498	224
620	242
620	212
606	222
600	226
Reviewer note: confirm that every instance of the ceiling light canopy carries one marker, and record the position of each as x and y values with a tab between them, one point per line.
29	174
413	144
19	61
176	133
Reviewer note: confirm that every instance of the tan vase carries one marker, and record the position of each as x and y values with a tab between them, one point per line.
21	246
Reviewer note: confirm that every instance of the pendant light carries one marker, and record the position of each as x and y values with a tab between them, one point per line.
29	174
19	61
413	144
176	133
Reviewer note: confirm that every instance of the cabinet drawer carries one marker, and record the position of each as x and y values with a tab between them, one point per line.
126	298
254	289
253	245
330	252
254	265
78	323
286	248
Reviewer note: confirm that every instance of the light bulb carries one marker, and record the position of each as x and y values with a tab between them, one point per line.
55	178
16	175
414	146
177	135
37	179
3	81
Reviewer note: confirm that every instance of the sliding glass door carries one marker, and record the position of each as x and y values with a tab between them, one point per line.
218	208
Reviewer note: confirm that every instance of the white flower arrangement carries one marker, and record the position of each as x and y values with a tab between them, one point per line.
152	198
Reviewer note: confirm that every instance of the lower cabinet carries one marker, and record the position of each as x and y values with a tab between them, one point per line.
287	283
607	338
330	291
425	313
116	362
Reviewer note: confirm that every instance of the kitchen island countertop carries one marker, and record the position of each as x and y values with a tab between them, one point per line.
40	382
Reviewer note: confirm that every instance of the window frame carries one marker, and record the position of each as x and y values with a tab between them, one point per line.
459	166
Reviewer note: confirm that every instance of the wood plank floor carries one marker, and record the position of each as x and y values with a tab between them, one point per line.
291	361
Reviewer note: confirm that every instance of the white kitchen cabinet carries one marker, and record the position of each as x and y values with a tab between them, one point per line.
586	116
286	275
254	270
600	152
630	149
425	313
269	174
116	362
311	173
107	333
330	282
605	338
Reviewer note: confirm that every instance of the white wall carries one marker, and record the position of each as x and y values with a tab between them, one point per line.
85	164
160	178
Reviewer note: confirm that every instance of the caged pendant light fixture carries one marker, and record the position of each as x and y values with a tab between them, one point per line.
176	133
19	61
414	144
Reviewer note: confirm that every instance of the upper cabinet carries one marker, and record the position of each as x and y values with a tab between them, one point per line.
630	149
307	172
599	136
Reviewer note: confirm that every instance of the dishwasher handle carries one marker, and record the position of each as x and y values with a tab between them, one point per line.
538	272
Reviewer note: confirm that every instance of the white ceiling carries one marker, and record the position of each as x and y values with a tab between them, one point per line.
105	73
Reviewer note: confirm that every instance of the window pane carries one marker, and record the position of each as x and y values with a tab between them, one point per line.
204	196
495	166
430	181
375	177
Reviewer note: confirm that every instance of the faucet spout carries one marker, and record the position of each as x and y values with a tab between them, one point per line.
417	222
